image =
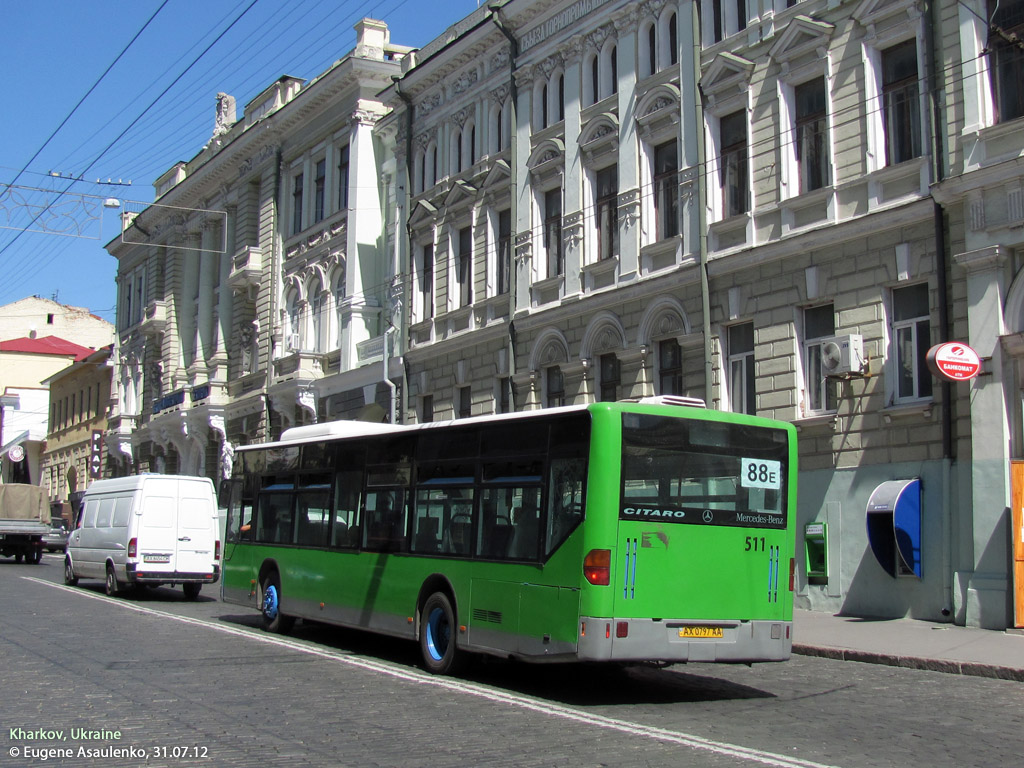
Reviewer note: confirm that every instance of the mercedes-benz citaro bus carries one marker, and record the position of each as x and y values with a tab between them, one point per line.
649	531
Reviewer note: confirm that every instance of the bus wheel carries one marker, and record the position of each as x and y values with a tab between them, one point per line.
113	586
270	608
69	573
437	636
191	590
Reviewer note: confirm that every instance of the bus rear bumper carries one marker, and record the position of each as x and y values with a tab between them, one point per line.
682	640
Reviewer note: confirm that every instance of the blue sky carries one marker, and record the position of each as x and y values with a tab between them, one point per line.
54	51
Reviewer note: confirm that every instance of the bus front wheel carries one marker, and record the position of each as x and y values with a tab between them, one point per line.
437	636
270	607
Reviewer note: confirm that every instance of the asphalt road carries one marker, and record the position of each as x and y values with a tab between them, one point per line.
156	680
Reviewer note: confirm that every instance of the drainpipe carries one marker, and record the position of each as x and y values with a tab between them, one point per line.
396	79
933	24
513	293
275	265
702	194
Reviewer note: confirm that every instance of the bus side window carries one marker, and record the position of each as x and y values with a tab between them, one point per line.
565	500
384	520
526	526
345	529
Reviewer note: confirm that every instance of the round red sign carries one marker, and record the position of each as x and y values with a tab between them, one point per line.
954	361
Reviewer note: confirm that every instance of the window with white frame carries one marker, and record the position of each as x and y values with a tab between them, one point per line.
320	317
723	18
553	232
343	171
742	394
554	387
1006	57
319	190
606	211
733	163
464	266
425	282
504	252
670	367
811	135
911	340
296	203
901	103
666	189
293	327
611	377
338	291
819	323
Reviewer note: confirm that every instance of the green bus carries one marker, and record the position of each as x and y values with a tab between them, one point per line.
648	531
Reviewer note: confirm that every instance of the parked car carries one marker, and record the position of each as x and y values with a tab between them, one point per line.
56	539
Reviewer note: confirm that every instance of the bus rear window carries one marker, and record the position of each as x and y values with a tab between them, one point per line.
703	473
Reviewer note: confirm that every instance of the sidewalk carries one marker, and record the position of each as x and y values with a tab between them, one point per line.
911	643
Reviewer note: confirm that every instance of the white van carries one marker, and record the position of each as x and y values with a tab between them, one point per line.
146	529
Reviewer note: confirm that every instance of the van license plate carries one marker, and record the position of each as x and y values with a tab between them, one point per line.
700	632
156	558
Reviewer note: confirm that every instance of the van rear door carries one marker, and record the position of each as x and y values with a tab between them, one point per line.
196	530
157	525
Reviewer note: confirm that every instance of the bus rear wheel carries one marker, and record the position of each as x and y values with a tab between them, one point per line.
437	636
270	607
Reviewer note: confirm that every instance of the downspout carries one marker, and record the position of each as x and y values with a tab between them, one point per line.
403	340
935	97
513	293
702	213
275	262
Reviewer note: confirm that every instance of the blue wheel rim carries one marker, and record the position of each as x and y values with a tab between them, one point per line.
270	602
438	634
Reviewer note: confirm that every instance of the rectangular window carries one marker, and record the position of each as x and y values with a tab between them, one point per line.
819	322
297	203
666	190
553	232
741	368
1006	64
504	399
426	409
318	190
812	135
343	178
465	402
911	333
901	105
465	268
670	367
554	387
427	282
611	377
504	251
606	204
733	137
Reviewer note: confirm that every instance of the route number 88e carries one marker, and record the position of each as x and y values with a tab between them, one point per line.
761	473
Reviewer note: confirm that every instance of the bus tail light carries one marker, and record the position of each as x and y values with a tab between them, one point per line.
133	548
792	573
597	567
622	629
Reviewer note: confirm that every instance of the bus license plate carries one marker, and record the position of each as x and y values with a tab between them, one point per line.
156	558
701	632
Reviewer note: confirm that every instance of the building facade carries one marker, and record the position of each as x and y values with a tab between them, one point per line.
251	295
777	207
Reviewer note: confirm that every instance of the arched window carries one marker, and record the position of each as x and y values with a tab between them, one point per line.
455	152
590	90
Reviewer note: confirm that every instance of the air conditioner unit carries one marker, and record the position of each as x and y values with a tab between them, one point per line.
841	355
293	342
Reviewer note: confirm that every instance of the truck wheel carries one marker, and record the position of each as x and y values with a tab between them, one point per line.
34	557
191	590
113	585
437	636
69	573
270	607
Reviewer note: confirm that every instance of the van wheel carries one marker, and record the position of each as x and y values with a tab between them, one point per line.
69	573
113	585
191	590
437	636
270	607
